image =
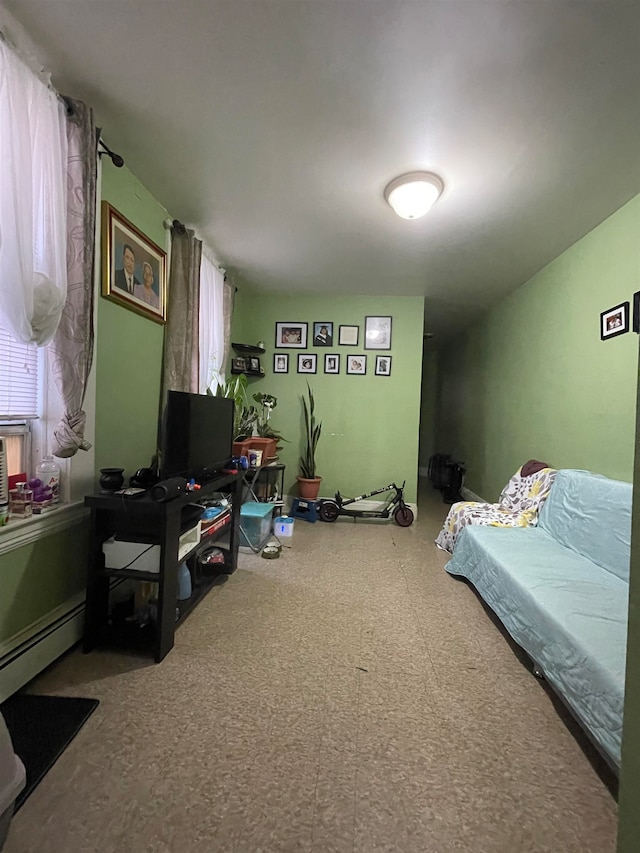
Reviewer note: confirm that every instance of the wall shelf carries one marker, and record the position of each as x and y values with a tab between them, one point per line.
248	349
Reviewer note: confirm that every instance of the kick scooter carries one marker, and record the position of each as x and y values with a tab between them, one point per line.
394	505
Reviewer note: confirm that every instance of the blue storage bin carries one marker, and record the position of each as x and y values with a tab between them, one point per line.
255	524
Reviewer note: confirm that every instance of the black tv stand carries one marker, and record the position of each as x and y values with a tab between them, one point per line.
158	523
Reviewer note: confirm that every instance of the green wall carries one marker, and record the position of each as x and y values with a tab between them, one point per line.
532	379
629	802
41	576
128	346
370	424
428	404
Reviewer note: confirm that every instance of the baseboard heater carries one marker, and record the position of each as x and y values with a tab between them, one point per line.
33	649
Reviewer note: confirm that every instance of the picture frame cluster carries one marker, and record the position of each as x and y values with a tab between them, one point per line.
298	335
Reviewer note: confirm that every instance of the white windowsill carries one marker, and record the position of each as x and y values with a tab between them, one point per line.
18	533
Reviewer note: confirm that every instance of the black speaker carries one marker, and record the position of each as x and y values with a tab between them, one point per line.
169	489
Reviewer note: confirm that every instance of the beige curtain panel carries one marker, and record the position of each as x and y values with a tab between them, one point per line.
181	361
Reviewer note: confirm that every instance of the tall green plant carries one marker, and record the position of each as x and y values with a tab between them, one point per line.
267	404
244	415
313	430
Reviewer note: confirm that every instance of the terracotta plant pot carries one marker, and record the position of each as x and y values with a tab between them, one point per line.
266	445
309	488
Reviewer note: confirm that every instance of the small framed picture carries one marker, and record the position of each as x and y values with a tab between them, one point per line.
614	321
331	362
307	362
238	365
636	311
357	364
377	332
291	335
281	362
323	334
254	364
348	336
383	365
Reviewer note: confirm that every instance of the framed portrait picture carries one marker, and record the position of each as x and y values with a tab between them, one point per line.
636	311
331	362
307	362
133	267
291	335
377	332
357	364
281	362
614	321
383	365
238	365
323	334
348	336
254	364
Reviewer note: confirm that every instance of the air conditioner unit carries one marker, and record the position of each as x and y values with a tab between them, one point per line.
4	479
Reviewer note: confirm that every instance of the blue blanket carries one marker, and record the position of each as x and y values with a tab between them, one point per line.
561	591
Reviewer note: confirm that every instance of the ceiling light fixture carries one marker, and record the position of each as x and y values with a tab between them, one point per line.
413	194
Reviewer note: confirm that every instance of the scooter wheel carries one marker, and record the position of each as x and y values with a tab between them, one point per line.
403	516
329	511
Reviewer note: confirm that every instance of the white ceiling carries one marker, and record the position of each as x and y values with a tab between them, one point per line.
273	126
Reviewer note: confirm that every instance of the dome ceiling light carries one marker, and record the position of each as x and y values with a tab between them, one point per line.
413	194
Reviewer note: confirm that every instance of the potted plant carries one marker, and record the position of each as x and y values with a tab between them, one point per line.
309	483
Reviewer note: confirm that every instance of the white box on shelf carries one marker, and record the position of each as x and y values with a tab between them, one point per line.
134	556
188	540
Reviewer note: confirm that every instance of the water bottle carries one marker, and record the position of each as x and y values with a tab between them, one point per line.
184	582
49	472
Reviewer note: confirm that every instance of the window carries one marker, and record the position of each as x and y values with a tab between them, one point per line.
19	400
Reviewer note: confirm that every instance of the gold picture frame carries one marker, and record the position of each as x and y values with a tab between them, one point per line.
133	267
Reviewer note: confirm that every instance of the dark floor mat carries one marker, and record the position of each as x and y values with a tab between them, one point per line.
41	728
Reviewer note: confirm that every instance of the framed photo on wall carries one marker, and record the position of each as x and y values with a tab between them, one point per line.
133	267
323	334
331	362
357	364
614	321
291	335
281	362
383	365
377	332
348	336
307	362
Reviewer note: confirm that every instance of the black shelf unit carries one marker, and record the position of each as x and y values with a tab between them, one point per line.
142	519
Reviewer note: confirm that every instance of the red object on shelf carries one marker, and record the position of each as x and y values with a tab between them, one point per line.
17	478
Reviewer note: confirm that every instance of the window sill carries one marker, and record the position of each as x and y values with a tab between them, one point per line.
18	533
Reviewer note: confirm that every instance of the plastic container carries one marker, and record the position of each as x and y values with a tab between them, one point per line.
49	472
283	526
184	582
255	524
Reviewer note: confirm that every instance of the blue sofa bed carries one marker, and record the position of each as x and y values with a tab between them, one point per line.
561	591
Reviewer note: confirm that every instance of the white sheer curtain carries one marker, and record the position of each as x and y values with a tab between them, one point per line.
212	347
33	202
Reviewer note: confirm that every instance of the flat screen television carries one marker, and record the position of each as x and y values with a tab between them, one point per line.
196	436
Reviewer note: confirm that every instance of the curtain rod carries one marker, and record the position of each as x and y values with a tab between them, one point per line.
116	159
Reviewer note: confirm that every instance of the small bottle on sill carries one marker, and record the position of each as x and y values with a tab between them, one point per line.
21	501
